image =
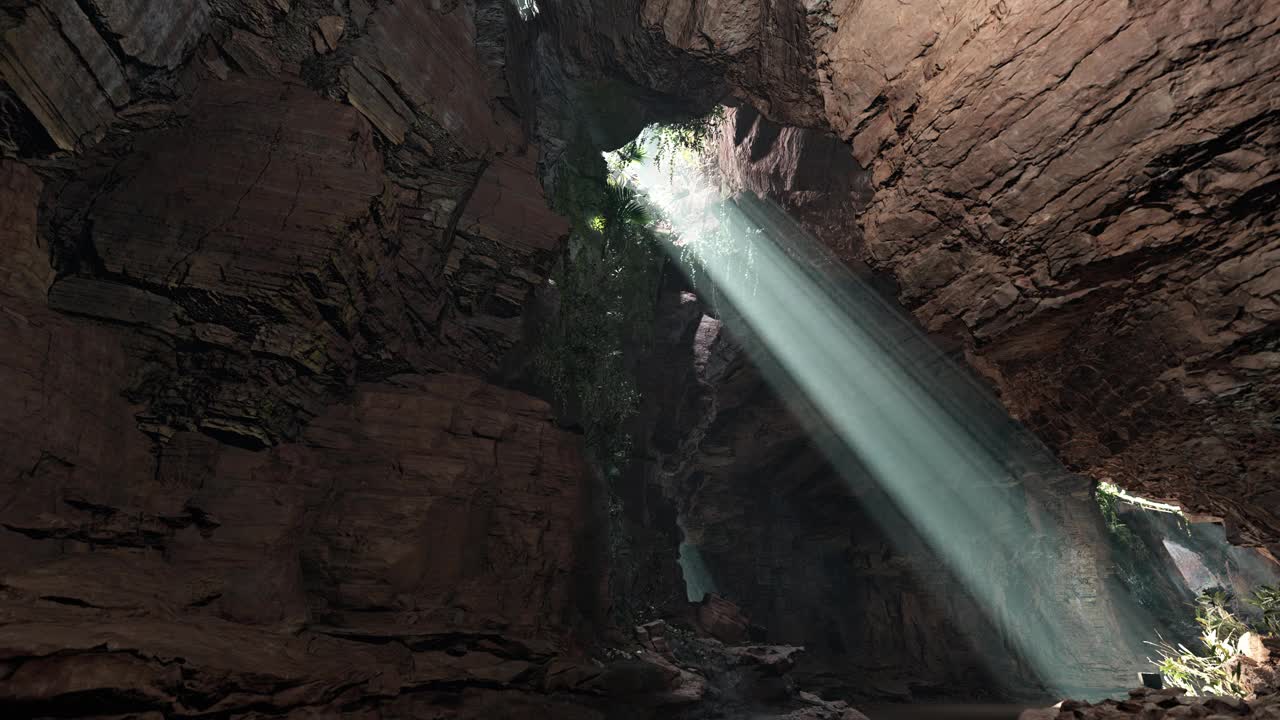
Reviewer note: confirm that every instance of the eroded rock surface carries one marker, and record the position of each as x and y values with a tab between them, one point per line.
261	262
250	461
262	258
1083	196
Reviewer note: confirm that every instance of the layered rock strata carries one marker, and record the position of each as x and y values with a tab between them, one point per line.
1081	196
262	260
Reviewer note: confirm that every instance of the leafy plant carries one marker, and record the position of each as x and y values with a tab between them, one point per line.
606	283
629	154
1115	492
684	138
1197	674
1215	615
713	232
1267	599
607	280
1213	672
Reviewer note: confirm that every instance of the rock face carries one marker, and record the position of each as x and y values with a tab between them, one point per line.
810	173
250	461
280	254
1049	191
419	535
419	538
263	261
1055	188
816	552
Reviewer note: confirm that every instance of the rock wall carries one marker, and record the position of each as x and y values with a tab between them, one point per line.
1066	186
814	561
782	163
255	275
262	259
1053	189
264	265
781	517
419	537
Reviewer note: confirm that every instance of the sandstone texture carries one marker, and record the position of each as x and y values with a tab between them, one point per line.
263	264
251	464
1080	196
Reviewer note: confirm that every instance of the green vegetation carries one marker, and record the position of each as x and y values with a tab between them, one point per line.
1267	599
1212	670
1116	493
683	140
625	156
1210	673
1208	669
607	282
714	234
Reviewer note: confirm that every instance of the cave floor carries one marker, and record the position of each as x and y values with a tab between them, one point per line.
912	711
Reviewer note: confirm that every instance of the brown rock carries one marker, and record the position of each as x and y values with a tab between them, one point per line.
1051	206
765	46
328	31
64	72
508	207
653	636
412	58
1251	646
420	533
156	32
768	659
722	619
25	270
1225	705
252	53
318	516
995	168
402	543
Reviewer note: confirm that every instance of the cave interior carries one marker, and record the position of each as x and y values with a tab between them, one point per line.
595	359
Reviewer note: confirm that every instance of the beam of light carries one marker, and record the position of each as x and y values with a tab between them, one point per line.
697	579
1020	533
1144	503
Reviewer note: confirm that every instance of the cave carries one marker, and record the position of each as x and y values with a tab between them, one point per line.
637	359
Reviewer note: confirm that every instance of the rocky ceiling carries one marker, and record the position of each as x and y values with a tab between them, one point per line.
263	262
